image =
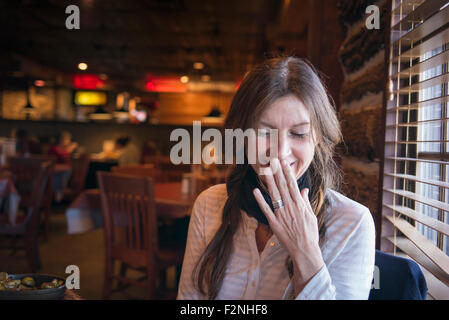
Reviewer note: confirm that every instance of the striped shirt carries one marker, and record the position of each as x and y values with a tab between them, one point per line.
348	253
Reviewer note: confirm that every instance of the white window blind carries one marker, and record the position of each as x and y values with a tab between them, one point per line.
415	197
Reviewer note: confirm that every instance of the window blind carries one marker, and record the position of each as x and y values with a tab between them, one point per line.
415	189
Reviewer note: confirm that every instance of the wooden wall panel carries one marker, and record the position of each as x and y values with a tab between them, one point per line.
183	108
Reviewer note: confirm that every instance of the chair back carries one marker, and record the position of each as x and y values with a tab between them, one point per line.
397	278
31	178
80	166
145	170
38	196
24	170
129	218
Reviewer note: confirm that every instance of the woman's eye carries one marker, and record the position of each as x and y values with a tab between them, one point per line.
299	135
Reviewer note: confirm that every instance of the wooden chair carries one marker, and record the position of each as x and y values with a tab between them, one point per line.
130	229
21	178
80	166
139	170
34	175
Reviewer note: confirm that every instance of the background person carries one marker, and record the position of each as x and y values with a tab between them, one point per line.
64	148
126	152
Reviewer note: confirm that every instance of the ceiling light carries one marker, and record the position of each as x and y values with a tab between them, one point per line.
184	79
82	66
198	65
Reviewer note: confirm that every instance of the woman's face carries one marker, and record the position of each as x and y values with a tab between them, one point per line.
296	139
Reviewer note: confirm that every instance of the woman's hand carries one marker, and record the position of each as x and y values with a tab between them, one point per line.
294	224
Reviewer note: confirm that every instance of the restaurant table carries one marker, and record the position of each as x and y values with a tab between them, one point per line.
84	214
9	199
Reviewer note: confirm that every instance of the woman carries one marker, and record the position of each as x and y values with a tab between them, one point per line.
64	149
289	234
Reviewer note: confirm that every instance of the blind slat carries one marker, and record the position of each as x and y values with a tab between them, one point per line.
424	84
406	6
418	179
428	248
430	63
413	196
430	44
415	141
416	123
421	218
416	254
417	160
420	13
437	289
425	28
424	103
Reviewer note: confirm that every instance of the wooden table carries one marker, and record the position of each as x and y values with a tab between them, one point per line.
84	214
171	193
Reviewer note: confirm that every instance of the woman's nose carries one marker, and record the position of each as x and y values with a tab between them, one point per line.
284	148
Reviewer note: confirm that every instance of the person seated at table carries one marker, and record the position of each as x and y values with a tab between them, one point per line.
64	149
126	152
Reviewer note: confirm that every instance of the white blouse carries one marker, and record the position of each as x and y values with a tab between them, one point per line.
348	252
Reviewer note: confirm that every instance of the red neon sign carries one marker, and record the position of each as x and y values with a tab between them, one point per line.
87	81
165	84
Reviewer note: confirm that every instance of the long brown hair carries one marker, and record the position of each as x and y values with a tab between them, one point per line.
271	80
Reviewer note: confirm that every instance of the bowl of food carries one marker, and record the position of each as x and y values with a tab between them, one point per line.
31	287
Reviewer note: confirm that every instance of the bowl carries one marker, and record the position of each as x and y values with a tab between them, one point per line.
38	294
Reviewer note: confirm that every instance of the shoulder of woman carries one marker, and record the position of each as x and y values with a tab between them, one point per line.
341	208
212	198
208	209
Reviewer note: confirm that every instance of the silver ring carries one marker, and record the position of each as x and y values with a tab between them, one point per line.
277	204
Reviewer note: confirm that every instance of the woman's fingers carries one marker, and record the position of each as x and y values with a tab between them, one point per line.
264	206
291	181
272	187
281	182
305	198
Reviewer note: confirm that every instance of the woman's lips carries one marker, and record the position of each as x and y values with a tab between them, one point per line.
292	164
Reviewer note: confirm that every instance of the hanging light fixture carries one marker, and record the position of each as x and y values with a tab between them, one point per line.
214	116
100	114
28	109
214	112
